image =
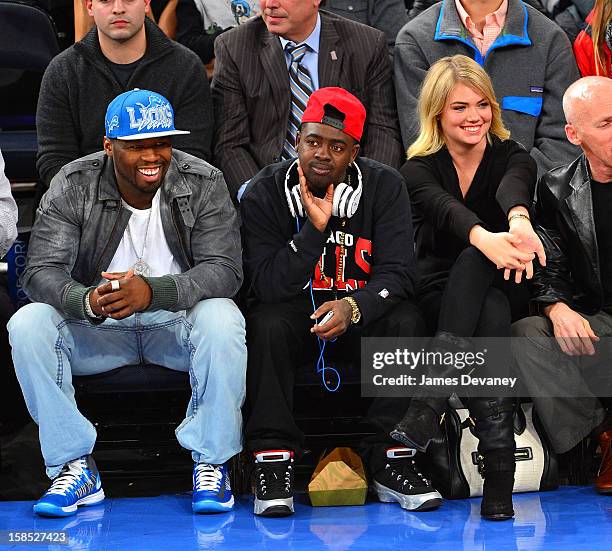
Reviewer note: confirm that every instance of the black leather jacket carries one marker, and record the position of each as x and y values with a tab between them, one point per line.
565	224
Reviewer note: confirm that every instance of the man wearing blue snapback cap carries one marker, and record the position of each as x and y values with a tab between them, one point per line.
134	258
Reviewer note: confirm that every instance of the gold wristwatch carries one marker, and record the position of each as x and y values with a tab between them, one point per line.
356	313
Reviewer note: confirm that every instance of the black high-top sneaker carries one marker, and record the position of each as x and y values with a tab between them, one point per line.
273	481
401	481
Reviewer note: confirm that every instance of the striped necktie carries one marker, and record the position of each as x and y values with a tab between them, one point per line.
301	87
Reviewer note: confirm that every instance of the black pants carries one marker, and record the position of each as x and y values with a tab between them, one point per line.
477	302
280	342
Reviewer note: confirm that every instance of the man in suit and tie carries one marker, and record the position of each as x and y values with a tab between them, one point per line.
266	69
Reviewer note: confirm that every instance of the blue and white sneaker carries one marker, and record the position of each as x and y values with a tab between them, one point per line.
212	492
77	484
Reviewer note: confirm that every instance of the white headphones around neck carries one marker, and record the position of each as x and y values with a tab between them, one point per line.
346	197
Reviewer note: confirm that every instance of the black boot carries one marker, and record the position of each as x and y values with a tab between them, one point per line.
421	423
494	428
498	473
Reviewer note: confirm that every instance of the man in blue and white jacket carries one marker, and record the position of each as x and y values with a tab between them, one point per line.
529	60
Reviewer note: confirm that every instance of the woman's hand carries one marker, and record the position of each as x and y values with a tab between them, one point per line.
529	243
501	249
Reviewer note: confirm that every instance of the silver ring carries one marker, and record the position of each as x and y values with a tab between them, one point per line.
115	284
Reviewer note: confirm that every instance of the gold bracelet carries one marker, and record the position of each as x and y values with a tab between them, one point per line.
518	215
355	312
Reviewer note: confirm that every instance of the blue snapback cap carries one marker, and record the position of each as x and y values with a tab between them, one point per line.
140	114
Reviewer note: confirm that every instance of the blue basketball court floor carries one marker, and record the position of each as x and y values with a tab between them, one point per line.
572	518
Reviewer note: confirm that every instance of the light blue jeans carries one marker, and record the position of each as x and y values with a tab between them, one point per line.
208	341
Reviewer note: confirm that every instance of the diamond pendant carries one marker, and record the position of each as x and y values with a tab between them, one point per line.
141	268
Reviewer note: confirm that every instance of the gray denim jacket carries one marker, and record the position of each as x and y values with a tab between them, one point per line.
81	220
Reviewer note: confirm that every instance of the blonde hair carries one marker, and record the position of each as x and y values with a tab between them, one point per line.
440	80
602	13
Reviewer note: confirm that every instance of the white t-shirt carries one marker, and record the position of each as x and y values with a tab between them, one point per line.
156	251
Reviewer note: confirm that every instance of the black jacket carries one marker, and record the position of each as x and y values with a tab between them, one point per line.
566	226
443	219
78	85
279	260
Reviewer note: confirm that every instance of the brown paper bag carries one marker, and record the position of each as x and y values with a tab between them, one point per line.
339	479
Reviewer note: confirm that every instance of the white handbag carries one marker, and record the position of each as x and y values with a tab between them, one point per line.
531	454
455	462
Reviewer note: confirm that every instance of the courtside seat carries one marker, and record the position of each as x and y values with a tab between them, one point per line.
110	396
28	42
138	407
19	151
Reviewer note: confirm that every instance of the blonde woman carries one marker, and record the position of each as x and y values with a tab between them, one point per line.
471	187
593	46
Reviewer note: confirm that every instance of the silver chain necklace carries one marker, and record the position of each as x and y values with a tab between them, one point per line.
140	267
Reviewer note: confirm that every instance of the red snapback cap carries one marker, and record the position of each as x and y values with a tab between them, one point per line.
338	108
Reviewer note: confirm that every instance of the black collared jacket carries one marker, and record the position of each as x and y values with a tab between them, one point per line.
566	226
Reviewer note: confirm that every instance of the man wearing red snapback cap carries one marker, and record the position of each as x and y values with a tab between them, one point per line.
328	239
